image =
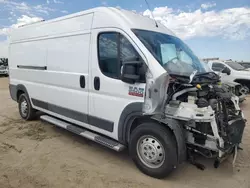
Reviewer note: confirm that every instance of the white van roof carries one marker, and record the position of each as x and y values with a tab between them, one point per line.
100	17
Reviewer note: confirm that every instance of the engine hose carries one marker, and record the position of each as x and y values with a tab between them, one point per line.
183	91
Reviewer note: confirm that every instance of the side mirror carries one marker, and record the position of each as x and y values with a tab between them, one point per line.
226	70
130	71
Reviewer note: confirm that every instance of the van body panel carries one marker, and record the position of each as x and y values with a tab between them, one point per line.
53	28
51	58
63	51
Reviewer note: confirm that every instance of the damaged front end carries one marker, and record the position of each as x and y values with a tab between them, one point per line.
208	113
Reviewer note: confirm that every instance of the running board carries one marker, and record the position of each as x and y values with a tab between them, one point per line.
84	133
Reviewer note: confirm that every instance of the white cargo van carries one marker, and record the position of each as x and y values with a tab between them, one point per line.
123	80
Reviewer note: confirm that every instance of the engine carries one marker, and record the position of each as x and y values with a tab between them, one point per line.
211	116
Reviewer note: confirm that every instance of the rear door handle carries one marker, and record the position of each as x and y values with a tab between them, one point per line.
82	81
97	83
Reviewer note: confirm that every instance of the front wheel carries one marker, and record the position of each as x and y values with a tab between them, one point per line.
153	150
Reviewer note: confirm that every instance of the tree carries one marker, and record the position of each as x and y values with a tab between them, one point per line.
4	61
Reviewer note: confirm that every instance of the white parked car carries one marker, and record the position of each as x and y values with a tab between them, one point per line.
232	71
121	80
245	64
233	87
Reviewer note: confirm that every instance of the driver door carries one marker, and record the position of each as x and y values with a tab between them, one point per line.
108	94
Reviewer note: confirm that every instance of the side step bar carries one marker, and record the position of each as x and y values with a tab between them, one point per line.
84	133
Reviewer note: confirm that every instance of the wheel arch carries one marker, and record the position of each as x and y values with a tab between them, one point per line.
132	116
20	90
244	82
127	117
17	90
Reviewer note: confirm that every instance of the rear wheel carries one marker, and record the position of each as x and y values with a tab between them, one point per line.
25	109
153	150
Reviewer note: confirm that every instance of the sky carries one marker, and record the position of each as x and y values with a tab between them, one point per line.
219	28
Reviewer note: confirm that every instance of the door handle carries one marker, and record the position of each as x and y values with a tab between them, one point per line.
97	83
82	81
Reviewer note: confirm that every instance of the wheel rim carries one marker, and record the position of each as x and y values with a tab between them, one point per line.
24	107
150	151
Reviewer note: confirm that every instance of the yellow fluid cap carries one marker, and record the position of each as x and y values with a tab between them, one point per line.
198	86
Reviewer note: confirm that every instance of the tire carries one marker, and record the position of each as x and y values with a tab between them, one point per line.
163	151
29	113
247	88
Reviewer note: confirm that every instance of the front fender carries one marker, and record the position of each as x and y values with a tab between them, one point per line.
178	131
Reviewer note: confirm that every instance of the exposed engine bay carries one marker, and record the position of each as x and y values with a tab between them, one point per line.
208	113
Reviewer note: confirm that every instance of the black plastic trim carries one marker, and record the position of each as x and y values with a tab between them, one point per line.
94	121
40	104
101	123
68	113
97	83
82	81
32	67
179	134
13	91
129	113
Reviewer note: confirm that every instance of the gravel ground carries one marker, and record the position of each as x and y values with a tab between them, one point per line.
37	154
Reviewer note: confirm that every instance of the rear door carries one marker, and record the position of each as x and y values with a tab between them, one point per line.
108	95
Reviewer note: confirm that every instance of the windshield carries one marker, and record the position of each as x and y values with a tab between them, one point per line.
235	66
173	54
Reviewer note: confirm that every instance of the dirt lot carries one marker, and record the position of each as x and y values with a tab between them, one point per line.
37	154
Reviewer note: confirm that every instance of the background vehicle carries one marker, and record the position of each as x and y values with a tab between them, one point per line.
245	64
132	83
237	89
232	87
232	71
4	70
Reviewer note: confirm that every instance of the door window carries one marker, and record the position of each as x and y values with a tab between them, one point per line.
218	67
108	54
113	50
127	50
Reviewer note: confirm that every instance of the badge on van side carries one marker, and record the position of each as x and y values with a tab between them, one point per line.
135	91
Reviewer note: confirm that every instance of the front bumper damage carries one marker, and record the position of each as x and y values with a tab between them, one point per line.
201	130
220	146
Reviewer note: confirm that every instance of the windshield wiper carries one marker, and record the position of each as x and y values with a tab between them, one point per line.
182	78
